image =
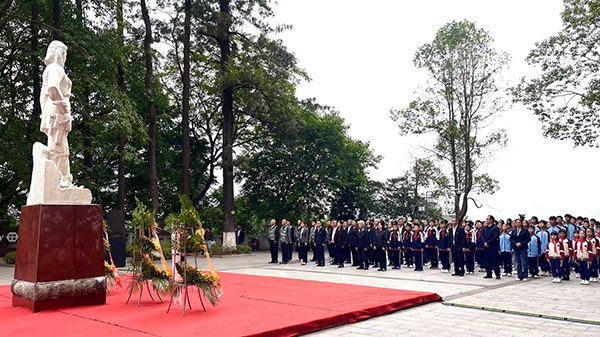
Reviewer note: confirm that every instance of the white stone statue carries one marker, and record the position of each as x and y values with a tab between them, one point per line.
52	181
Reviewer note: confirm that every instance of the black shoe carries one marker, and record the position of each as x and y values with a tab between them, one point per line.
367	268
281	262
418	269
341	266
375	265
497	277
379	269
360	267
487	276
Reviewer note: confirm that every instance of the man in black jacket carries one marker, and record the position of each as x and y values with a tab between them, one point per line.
458	239
320	242
331	232
519	241
491	236
341	242
363	242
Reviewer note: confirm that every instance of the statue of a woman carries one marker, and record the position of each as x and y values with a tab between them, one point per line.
51	179
56	110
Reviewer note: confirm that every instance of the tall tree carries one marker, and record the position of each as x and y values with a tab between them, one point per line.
228	124
35	64
460	100
56	33
566	96
151	107
121	84
185	115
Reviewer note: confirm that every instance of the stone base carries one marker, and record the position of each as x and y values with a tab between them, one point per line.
60	257
45	180
36	306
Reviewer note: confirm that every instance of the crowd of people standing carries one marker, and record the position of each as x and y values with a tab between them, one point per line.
547	248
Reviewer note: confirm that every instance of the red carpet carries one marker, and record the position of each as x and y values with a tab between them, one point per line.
251	305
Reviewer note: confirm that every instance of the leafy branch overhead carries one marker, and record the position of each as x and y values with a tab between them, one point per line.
566	96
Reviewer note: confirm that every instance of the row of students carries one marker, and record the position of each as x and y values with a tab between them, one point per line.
373	244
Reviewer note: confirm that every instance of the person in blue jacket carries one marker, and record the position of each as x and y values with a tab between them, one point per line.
533	252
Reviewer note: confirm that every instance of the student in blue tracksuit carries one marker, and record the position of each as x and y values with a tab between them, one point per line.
544	236
394	246
506	251
406	243
431	243
417	245
533	253
444	246
469	249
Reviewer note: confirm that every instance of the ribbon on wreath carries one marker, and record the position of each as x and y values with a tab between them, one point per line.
156	241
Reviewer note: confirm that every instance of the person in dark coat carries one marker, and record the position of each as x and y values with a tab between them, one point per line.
331	232
303	241
372	253
491	235
240	236
320	242
519	240
341	243
352	237
458	238
363	243
381	247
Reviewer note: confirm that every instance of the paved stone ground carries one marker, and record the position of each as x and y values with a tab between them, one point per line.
436	319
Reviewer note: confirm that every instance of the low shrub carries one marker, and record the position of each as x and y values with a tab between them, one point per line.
244	249
241	249
10	258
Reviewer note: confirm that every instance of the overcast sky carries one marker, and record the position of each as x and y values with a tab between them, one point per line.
359	56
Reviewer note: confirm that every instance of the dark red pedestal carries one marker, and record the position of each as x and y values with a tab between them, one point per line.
59	245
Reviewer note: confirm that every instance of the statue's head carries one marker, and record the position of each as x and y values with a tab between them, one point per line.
57	53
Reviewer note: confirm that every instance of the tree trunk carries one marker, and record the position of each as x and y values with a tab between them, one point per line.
121	83
151	108
56	20
228	124
185	116
35	68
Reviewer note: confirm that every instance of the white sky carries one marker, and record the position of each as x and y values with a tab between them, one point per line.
359	57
